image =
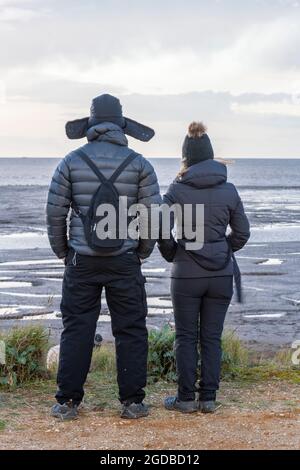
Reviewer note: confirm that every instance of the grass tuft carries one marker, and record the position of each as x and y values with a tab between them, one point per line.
235	357
161	356
26	353
238	364
103	360
25	350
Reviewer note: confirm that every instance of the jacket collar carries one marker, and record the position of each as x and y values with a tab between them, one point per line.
107	132
205	174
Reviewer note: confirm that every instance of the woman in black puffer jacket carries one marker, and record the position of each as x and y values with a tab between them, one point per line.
201	285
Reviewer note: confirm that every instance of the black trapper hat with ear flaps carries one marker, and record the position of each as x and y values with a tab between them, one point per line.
107	108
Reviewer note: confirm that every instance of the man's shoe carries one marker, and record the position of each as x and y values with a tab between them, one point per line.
209	406
65	412
173	404
134	411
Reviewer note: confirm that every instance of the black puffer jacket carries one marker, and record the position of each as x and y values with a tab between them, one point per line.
206	183
73	179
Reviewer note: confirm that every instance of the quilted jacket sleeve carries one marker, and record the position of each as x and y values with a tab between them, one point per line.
240	228
148	194
57	209
168	246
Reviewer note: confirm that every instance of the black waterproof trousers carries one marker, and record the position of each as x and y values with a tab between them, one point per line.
84	279
200	306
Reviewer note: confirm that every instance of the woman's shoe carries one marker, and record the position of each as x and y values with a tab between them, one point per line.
209	406
173	404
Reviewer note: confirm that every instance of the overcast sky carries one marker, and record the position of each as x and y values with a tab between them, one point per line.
233	64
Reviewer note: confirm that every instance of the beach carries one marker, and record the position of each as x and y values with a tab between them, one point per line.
31	276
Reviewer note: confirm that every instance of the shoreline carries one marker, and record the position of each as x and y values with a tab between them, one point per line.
30	282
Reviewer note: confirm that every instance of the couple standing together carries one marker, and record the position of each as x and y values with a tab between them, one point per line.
202	280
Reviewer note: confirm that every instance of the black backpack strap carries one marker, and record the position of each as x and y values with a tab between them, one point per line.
96	170
92	165
122	167
100	175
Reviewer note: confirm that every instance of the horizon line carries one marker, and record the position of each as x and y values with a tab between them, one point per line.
173	157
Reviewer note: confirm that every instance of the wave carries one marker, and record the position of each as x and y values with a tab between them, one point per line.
165	186
257	187
267	188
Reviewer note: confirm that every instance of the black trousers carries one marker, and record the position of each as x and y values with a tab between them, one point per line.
204	300
84	279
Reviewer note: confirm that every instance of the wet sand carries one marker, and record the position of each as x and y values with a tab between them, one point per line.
30	291
30	276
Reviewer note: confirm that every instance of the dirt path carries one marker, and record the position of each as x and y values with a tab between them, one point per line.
264	416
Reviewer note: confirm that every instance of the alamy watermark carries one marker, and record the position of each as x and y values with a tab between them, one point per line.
156	221
296	353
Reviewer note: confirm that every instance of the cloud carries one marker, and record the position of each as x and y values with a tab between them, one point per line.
234	64
273	108
244	125
17	14
193	53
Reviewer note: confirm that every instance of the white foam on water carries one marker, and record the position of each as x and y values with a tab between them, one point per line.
159	311
8	284
257	244
153	270
41	296
104	318
24	306
289	299
45	316
8	310
24	240
275	233
5	278
52	316
157	301
31	262
258	289
45	273
265	315
21	235
14	271
272	262
248	257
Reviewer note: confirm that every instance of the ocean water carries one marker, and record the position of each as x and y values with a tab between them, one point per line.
269	188
246	173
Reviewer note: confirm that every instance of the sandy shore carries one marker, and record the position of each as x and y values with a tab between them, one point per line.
30	291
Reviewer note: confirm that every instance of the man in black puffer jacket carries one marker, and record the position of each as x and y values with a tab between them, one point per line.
87	271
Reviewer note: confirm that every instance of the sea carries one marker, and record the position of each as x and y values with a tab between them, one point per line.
269	188
30	275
